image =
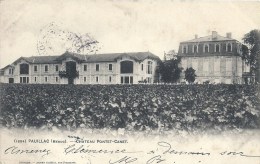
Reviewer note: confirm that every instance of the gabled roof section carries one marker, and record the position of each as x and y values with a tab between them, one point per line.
110	57
7	66
2	72
38	59
41	59
209	39
74	56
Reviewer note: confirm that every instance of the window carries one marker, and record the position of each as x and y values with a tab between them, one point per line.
217	48
85	79
184	63
24	68
126	67
97	79
56	68
24	79
126	79
149	80
217	65
195	49
11	71
149	67
142	67
11	80
239	48
206	66
97	67
110	78
35	79
206	48
85	67
229	65
57	79
184	49
46	79
195	64
110	67
35	68
46	68
229	47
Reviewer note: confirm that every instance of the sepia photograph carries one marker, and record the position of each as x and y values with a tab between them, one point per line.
129	82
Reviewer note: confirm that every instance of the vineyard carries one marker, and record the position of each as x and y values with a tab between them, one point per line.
130	107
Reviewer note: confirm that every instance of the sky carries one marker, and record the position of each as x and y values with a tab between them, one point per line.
120	26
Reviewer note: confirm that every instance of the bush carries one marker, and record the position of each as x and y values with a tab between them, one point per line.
131	107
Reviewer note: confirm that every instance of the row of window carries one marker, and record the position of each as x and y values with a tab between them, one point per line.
46	68
35	79
126	67
217	48
24	69
124	79
206	65
110	67
97	79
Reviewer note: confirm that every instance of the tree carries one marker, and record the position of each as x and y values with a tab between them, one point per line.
170	70
190	75
251	52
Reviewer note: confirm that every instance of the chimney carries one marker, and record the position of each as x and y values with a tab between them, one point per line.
229	34
214	34
196	36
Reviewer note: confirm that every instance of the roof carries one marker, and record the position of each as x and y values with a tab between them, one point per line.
208	55
209	38
109	57
1	71
41	59
138	56
38	59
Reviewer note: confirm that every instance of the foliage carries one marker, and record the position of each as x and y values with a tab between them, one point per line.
170	70
190	75
130	107
70	74
251	50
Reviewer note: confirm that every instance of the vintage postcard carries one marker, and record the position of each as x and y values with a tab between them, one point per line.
129	82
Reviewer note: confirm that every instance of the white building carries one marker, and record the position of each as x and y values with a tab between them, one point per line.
113	68
215	58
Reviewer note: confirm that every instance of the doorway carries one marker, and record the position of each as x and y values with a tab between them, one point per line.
11	80
71	71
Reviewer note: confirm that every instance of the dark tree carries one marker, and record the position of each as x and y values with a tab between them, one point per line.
251	52
190	75
170	70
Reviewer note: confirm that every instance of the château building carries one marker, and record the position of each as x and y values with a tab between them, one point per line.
72	68
216	59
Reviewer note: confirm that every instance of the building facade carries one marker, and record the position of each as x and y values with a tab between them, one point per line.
71	68
215	58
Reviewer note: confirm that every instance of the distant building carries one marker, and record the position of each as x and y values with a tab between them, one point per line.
215	58
170	55
113	68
